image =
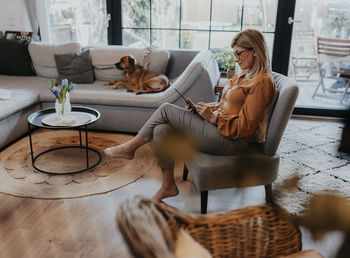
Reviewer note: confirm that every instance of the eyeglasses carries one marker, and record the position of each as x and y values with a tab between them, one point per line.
238	54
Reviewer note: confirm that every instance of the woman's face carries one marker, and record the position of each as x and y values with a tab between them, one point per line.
244	57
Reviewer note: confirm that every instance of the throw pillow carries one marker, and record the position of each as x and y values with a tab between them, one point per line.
187	247
76	68
104	58
15	58
43	56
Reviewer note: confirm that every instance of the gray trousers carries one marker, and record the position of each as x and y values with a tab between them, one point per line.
206	135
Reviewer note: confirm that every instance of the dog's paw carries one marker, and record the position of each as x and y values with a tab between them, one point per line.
138	92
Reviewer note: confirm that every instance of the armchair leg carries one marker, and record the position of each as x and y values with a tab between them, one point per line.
268	193
204	202
185	173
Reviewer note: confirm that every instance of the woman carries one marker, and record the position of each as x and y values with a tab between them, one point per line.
225	128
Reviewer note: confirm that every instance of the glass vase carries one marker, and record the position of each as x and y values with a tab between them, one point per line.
63	108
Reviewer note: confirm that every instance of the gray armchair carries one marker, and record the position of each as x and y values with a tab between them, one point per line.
259	165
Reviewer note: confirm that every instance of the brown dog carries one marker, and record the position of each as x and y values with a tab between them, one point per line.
137	79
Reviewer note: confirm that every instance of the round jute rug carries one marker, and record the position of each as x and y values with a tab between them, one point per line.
19	178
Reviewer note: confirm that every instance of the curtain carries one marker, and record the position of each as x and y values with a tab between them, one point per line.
31	6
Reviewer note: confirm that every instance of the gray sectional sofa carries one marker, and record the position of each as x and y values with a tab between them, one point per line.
193	73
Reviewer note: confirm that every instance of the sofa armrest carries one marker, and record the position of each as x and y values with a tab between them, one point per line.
178	61
199	79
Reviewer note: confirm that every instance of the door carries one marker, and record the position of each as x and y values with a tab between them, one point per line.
320	56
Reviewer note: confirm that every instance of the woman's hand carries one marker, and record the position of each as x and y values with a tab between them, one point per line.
205	112
190	105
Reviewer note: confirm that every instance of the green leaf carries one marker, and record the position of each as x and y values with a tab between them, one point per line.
226	58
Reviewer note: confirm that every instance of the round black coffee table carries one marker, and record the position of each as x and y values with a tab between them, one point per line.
36	120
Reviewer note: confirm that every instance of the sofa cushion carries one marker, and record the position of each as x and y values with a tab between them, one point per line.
77	68
15	58
94	94
43	56
104	58
31	83
19	100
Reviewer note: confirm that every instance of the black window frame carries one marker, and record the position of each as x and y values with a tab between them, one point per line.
114	8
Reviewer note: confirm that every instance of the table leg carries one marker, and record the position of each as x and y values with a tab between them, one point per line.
81	143
30	141
87	147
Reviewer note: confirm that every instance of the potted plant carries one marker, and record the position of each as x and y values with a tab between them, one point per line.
61	91
226	61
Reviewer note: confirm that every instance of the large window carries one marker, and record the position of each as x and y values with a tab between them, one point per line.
194	24
320	58
84	21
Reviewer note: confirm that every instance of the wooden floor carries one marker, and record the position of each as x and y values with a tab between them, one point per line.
85	227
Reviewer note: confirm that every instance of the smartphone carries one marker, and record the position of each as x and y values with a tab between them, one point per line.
188	103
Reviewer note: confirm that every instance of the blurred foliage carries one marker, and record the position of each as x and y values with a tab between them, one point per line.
291	183
226	58
326	212
337	23
187	39
176	145
138	12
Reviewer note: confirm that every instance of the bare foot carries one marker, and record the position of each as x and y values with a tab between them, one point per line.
166	192
119	152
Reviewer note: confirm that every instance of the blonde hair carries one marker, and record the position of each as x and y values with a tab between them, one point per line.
254	39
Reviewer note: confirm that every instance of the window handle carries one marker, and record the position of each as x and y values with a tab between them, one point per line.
290	20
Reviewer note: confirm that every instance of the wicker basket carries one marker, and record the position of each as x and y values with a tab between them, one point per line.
150	230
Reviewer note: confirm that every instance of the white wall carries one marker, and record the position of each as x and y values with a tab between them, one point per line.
13	16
